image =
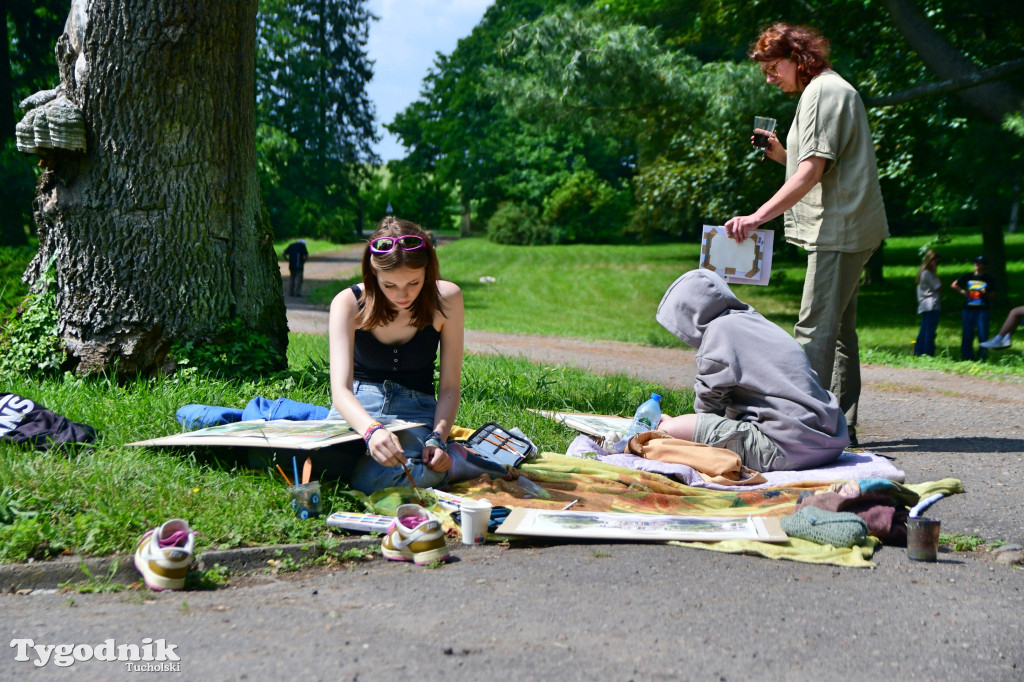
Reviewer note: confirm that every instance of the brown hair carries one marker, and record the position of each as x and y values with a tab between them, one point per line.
803	44
930	256
376	310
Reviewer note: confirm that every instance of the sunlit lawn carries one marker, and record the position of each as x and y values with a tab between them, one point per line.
612	292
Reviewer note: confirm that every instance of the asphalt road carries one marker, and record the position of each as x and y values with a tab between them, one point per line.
582	611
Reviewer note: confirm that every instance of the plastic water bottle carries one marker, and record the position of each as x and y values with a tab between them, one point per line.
647	416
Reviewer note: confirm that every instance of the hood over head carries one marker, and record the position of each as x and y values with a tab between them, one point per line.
695	300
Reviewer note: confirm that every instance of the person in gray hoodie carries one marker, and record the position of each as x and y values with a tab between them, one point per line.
756	393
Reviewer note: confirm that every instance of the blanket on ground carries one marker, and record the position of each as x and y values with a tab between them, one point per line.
600	486
849	465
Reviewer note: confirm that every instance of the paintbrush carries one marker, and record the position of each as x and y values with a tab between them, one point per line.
405	468
501	445
284	475
307	470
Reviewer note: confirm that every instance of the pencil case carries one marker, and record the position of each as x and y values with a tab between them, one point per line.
499	445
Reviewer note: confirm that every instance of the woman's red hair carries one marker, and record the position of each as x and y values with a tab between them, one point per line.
803	44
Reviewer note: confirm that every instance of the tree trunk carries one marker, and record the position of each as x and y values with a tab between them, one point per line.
993	245
158	232
1014	205
465	225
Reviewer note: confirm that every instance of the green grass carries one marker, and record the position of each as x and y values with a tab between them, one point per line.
612	293
98	501
314	246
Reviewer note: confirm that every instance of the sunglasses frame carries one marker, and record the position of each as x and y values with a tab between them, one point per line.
396	242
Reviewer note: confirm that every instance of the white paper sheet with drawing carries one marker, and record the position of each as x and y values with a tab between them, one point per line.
746	263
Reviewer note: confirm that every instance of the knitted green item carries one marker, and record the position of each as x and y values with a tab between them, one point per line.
839	529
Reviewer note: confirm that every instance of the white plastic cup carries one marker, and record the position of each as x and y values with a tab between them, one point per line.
475	514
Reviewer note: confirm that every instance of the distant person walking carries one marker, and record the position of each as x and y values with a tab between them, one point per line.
976	288
296	253
831	199
929	289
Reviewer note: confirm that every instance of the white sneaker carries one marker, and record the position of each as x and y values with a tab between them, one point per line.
997	341
164	554
415	535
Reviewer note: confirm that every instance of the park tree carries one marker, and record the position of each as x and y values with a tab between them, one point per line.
589	71
466	135
151	226
457	130
315	122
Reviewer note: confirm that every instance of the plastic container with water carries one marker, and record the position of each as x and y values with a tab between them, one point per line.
647	416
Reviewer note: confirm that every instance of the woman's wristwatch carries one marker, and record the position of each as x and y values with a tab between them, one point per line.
435	439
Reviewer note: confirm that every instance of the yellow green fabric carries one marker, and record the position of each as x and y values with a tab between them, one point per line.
796	549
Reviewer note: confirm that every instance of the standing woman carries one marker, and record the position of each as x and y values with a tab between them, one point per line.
384	337
831	198
929	289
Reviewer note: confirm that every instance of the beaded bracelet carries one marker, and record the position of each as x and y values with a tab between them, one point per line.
370	430
435	439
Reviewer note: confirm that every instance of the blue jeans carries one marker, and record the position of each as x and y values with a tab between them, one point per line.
393	401
974	319
925	344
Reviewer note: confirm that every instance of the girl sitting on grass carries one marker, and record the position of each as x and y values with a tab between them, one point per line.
384	337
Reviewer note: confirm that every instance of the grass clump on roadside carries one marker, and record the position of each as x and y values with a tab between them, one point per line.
98	501
962	543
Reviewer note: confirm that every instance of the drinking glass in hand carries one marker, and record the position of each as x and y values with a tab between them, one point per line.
764	127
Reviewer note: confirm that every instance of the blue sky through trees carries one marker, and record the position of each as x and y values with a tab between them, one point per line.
402	45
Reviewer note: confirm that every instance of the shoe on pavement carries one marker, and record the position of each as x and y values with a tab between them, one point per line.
164	554
416	536
997	342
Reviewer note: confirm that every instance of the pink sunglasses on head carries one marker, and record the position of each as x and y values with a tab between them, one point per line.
408	242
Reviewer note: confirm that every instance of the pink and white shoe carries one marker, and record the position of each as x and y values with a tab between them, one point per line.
416	535
163	555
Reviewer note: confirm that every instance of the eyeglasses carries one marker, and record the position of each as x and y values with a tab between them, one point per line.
772	70
408	242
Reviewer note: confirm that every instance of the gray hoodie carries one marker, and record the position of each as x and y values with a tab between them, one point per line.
750	369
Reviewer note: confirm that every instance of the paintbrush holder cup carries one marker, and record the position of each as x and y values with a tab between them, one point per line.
306	500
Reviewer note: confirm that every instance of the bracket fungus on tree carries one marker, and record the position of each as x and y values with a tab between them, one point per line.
51	123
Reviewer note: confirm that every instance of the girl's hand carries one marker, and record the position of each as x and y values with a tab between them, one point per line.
436	459
385	448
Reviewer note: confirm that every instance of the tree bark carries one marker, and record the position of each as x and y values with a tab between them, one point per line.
158	232
465	212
